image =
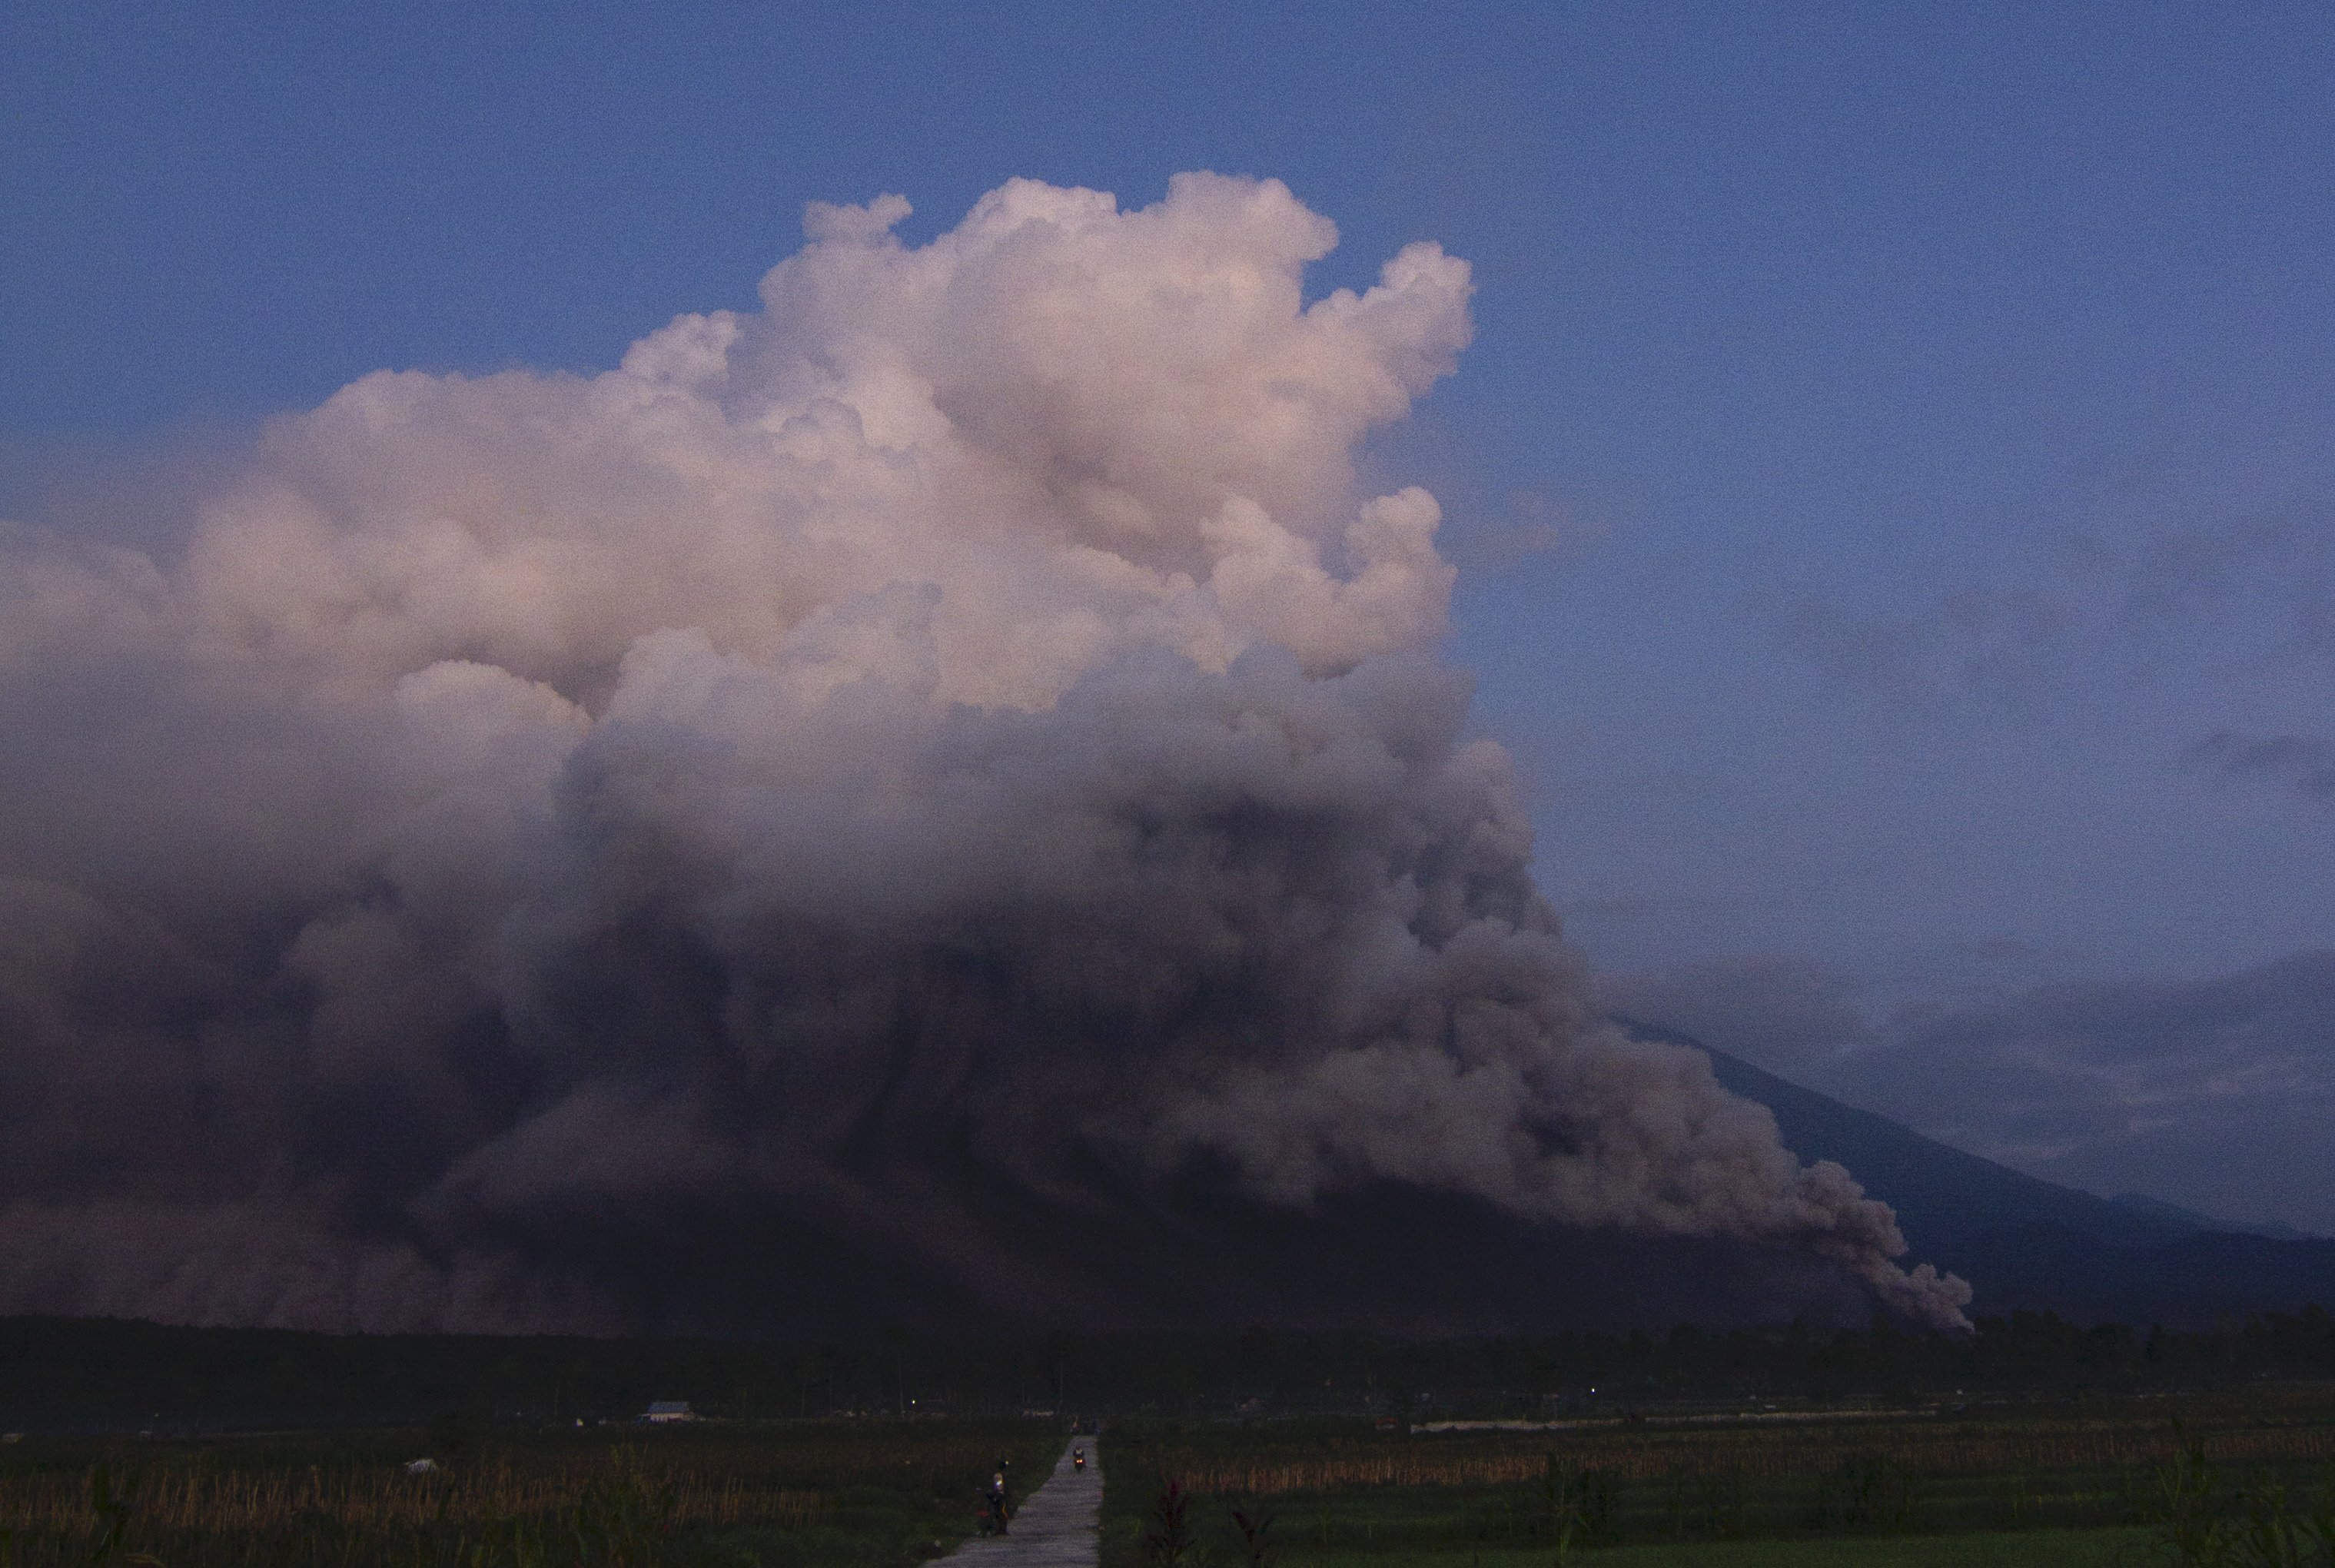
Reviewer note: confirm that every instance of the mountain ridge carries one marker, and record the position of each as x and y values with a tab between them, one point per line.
2026	1244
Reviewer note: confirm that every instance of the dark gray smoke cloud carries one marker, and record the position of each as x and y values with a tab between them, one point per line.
951	747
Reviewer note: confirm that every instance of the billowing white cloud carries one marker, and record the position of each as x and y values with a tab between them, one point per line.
959	728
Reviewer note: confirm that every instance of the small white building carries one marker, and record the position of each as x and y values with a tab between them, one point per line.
662	1411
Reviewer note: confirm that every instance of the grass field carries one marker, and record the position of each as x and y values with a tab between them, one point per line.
2069	1482
782	1495
2116	1548
1979	1549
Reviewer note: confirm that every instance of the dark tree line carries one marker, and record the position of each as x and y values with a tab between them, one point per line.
60	1372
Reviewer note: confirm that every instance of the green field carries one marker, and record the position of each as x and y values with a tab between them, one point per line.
2242	1476
1984	1549
2238	1477
2114	1548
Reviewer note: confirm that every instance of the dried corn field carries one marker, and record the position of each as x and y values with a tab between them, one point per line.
1352	1494
1751	1452
836	1496
376	1495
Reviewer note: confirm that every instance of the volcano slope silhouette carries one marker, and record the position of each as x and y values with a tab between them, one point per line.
2029	1244
1403	1261
1388	1260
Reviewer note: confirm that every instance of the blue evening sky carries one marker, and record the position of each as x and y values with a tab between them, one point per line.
1891	479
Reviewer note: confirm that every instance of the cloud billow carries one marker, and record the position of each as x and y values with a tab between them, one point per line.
956	738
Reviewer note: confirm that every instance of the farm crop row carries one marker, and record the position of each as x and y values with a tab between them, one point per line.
182	1499
1358	1495
1762	1455
775	1496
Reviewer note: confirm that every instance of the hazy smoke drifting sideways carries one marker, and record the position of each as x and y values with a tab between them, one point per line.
964	718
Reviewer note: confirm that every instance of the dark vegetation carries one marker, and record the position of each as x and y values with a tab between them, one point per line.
803	1495
68	1375
2244	1476
140	1445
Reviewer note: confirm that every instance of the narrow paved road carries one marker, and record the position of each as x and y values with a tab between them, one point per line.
1056	1527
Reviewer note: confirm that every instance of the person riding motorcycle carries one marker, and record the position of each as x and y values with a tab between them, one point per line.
998	1510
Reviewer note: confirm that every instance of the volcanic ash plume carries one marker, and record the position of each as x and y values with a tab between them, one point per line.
955	744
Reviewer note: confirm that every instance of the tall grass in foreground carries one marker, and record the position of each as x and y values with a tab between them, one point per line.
2205	1521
